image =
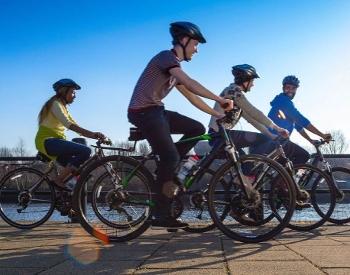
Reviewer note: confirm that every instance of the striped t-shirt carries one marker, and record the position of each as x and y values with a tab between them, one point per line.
155	82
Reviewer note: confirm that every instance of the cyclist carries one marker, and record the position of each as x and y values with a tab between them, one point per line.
50	139
146	111
244	76
286	115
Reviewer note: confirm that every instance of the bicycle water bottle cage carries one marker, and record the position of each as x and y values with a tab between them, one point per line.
41	157
135	134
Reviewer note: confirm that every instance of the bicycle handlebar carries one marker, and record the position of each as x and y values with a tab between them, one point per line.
320	142
106	141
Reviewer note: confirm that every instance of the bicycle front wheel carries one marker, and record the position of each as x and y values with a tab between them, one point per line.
113	199
316	210
27	199
341	212
252	220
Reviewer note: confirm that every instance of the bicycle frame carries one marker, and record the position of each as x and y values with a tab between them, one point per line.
226	146
52	165
326	167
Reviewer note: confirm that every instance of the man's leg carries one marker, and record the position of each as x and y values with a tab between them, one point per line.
188	127
69	154
155	128
295	153
243	139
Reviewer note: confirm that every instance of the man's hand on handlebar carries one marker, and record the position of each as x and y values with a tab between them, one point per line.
226	104
283	132
98	135
102	138
327	137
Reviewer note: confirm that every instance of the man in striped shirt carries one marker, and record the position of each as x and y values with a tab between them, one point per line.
146	111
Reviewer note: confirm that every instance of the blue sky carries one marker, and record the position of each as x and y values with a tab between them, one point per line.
105	45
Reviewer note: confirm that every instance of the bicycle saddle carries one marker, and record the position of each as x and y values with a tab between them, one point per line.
135	134
40	156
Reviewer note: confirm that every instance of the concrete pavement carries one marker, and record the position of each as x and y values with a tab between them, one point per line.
60	248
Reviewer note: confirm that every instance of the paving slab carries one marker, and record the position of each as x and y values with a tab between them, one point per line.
61	248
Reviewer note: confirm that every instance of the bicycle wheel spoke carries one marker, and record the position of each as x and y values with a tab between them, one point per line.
257	218
21	208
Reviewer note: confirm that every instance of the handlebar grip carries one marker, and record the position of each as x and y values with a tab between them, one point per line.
225	105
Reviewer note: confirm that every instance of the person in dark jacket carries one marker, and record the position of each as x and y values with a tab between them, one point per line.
286	115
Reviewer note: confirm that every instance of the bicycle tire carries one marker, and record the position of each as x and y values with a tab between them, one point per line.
14	191
226	195
341	212
107	231
319	216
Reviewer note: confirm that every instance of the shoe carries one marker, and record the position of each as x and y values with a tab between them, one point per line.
242	218
300	205
170	223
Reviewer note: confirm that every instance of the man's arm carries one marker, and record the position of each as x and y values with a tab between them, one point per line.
195	87
315	131
262	128
306	136
197	101
258	116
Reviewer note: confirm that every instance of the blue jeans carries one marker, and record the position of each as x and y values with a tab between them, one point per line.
68	153
157	125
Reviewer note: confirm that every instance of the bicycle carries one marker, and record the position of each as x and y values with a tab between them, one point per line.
122	199
338	175
315	192
28	196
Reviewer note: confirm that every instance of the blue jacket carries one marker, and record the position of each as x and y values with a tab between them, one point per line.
293	118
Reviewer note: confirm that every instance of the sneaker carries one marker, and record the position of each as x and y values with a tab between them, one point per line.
300	205
242	218
168	223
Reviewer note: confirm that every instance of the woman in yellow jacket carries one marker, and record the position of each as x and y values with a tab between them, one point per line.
53	120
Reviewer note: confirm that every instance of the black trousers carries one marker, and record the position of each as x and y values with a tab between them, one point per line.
157	125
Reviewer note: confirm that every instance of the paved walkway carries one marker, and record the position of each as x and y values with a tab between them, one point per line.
58	248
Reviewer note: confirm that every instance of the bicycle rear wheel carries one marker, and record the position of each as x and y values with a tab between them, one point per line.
322	198
341	212
258	220
24	208
113	199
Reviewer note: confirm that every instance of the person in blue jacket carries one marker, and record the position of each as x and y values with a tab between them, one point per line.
286	115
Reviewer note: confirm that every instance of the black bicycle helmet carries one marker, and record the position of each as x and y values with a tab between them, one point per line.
292	80
65	82
180	29
243	73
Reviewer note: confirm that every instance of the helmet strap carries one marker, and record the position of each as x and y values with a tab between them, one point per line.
184	48
245	87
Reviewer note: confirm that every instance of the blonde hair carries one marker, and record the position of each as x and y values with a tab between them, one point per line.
47	106
45	109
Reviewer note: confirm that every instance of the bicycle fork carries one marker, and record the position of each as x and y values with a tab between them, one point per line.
247	187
